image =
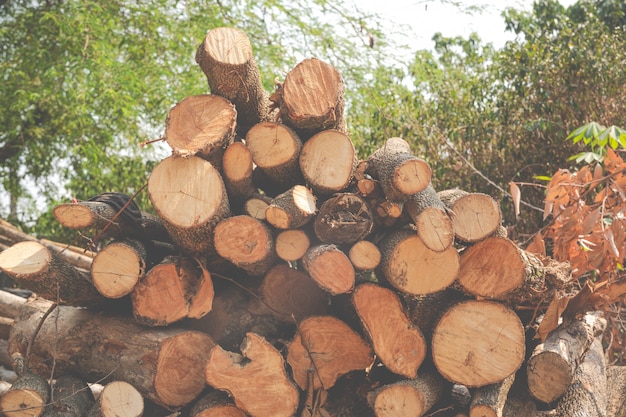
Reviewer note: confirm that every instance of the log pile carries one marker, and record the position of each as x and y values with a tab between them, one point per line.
283	276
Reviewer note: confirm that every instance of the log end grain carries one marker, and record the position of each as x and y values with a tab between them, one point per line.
116	270
239	50
364	255
119	398
554	374
30	260
291	209
292	244
399	401
330	268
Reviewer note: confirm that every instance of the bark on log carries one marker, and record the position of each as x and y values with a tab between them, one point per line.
226	59
330	268
292	244
202	125
474	215
430	216
364	255
311	98
256	379
256	205
28	394
291	209
118	398
616	391
161	363
97	215
409	266
323	349
489	400
345	218
36	268
478	343
553	363
72	397
190	197
519	402
216	404
399	345
118	267
237	170
328	161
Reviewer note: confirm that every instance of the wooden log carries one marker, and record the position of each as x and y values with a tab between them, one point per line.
323	349
216	404
237	170
553	363
118	267
202	125
345	218
430	216
226	59
409	266
330	268
256	205
177	288
399	345
291	209
478	343
162	364
401	173
292	244
118	398
616	391
36	268
72	397
328	161
347	398
489	400
190	208
364	255
474	215
409	397
256	379
311	98
28	394
519	402
275	150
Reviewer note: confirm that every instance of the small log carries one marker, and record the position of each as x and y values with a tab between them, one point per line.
255	379
245	242
176	288
519	402
28	394
399	345
553	363
478	343
328	161
489	400
345	218
323	349
72	397
237	170
401	173
162	364
330	268
202	125
118	267
364	255
216	404
118	398
311	98
292	244
474	215
226	59
425	311
616	391
430	216
409	266
256	205
291	209
190	209
38	269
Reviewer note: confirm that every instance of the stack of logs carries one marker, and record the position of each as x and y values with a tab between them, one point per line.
283	276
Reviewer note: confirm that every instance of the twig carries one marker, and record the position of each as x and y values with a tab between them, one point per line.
39	325
112	221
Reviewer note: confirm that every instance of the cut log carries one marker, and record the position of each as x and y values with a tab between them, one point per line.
28	394
256	205
474	215
553	363
364	255
97	215
190	197
401	173
118	398
290	295
323	349
118	267
162	364
519	402
311	98
216	404
616	391
245	242
409	266
226	59
407	398
328	161
291	209
478	343
72	397
237	170
330	268
36	268
399	345
256	379
292	244
176	288
202	125
275	150
489	400
345	218
431	219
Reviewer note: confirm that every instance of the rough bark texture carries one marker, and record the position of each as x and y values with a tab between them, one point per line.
430	216
216	404
291	209
616	391
237	172
72	397
489	400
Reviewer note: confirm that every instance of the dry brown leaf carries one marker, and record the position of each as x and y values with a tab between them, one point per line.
553	314
516	193
537	246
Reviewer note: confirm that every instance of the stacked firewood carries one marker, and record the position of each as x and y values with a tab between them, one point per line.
281	275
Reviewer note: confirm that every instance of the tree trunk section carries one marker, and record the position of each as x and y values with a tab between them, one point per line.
118	398
431	219
330	268
237	170
118	267
489	400
291	209
72	397
345	218
256	379
364	255
616	391
216	404
256	205
292	244
28	394
474	215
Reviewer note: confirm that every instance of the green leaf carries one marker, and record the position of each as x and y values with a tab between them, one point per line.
543	178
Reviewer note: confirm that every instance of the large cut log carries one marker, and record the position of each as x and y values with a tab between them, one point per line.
28	394
257	379
330	268
190	197
118	398
399	345
202	125
345	218
216	404
489	400
311	98
237	170
118	267
226	59
409	266
430	216
162	364
616	391
291	209
474	215
478	343
72	397
36	268
323	349
328	161
553	363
